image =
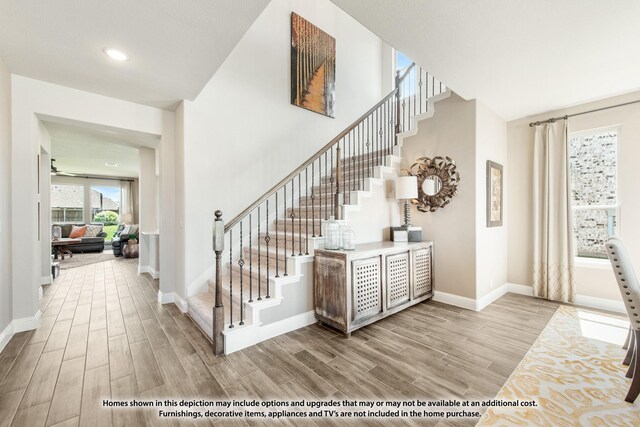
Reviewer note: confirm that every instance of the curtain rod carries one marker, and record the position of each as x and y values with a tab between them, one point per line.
106	178
565	117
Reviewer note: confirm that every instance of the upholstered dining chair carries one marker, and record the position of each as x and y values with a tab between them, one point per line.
630	290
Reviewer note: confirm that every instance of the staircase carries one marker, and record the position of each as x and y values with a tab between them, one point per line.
267	279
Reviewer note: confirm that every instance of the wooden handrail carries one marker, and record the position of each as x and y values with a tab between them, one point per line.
313	158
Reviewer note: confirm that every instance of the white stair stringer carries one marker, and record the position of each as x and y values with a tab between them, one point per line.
290	305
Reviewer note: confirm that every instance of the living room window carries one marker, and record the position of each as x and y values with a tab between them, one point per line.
67	203
593	164
105	208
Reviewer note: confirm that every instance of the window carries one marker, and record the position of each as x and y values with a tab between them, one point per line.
67	203
593	164
105	208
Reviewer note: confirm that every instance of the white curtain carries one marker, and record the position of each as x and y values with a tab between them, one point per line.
553	228
126	196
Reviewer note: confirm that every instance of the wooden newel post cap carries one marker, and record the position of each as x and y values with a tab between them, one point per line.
218	232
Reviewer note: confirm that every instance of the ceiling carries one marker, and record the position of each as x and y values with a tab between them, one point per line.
174	46
519	57
85	151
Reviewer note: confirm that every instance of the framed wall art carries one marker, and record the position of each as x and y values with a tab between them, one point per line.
495	194
313	67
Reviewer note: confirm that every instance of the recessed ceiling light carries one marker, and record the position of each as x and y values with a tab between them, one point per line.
111	164
116	54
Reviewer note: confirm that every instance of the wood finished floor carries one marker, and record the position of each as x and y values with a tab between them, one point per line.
103	335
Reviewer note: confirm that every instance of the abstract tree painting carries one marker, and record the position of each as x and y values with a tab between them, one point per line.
313	67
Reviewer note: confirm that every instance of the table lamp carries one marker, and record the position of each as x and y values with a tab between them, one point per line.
406	189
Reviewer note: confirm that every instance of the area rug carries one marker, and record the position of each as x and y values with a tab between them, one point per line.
80	260
575	374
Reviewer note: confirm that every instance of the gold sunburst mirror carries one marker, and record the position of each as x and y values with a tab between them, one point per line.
438	182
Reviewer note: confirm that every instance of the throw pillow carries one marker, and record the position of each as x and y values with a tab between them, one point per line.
93	230
77	232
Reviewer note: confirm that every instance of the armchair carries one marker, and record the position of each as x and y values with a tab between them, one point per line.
123	234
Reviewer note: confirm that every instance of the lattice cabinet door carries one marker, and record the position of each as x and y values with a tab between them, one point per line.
422	270
398	279
367	288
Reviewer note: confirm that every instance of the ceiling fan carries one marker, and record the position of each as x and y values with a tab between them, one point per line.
56	172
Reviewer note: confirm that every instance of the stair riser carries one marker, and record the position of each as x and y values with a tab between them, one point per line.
252	255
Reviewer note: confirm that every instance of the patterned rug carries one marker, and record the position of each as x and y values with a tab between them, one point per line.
80	260
574	372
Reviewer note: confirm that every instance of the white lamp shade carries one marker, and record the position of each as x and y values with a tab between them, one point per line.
126	218
406	187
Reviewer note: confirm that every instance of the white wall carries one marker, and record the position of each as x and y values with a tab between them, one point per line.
147	185
491	242
32	99
597	281
470	259
242	135
451	132
6	294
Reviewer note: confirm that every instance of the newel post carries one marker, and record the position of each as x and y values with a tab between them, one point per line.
218	308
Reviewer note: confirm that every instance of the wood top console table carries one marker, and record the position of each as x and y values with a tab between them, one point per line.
355	288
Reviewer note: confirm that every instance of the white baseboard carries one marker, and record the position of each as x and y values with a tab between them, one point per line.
147	269
19	325
451	299
6	335
172	297
515	288
584	300
491	297
27	323
237	339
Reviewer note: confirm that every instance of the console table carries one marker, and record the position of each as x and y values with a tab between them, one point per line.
355	288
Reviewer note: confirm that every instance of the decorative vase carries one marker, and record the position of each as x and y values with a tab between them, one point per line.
332	236
130	250
348	238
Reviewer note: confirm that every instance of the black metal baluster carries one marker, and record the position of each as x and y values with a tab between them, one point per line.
344	182
259	258
231	278
433	86
284	197
331	180
392	140
313	198
241	265
414	91
299	215
360	158
404	128
320	199
420	90
359	154
368	144
293	215
326	216
277	240
426	91
251	257
267	239
382	133
306	209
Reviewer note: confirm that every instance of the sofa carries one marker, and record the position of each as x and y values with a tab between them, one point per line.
123	234
88	244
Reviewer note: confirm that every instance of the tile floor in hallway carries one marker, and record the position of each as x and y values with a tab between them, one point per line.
104	334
